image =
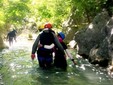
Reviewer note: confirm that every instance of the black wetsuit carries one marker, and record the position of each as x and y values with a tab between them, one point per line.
60	59
11	35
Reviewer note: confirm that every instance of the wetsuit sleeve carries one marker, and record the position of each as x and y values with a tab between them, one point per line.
35	45
8	35
57	43
64	45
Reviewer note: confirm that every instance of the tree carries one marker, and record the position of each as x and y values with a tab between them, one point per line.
15	12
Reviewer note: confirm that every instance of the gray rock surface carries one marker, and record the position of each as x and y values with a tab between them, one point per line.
95	42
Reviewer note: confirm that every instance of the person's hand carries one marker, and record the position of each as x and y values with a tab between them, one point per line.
40	45
32	56
73	62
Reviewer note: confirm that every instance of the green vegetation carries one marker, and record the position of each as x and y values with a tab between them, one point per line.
33	13
17	12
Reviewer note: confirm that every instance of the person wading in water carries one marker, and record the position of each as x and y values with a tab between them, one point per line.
11	36
45	53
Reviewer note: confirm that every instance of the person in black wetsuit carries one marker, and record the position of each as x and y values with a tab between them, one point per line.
44	55
11	36
60	59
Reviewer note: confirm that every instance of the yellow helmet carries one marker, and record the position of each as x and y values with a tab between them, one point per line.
41	27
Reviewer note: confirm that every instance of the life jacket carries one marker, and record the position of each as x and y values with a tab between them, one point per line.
46	37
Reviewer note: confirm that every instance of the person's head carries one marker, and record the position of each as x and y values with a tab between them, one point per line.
48	25
62	35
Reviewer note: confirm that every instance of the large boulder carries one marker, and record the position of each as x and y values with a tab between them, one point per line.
94	41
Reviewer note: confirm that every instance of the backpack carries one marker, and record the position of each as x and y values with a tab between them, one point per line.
46	37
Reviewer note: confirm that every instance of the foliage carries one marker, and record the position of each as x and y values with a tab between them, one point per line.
44	12
61	12
15	12
19	12
2	21
83	11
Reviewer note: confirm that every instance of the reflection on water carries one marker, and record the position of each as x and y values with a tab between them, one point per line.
16	68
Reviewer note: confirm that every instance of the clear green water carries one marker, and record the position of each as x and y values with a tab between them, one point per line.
16	68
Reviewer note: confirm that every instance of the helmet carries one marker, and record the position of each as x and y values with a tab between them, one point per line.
48	25
62	35
42	26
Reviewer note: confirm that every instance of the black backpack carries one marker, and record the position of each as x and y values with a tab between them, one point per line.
47	37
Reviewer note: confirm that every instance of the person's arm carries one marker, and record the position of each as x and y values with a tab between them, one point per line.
70	56
35	45
49	46
7	36
58	44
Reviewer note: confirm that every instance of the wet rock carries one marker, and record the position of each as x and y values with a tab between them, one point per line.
110	71
95	41
72	44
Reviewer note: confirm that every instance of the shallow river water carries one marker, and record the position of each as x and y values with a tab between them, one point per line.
17	68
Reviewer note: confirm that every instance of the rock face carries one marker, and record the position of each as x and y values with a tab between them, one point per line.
69	33
95	42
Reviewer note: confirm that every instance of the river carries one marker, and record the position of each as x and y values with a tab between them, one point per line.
17	68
